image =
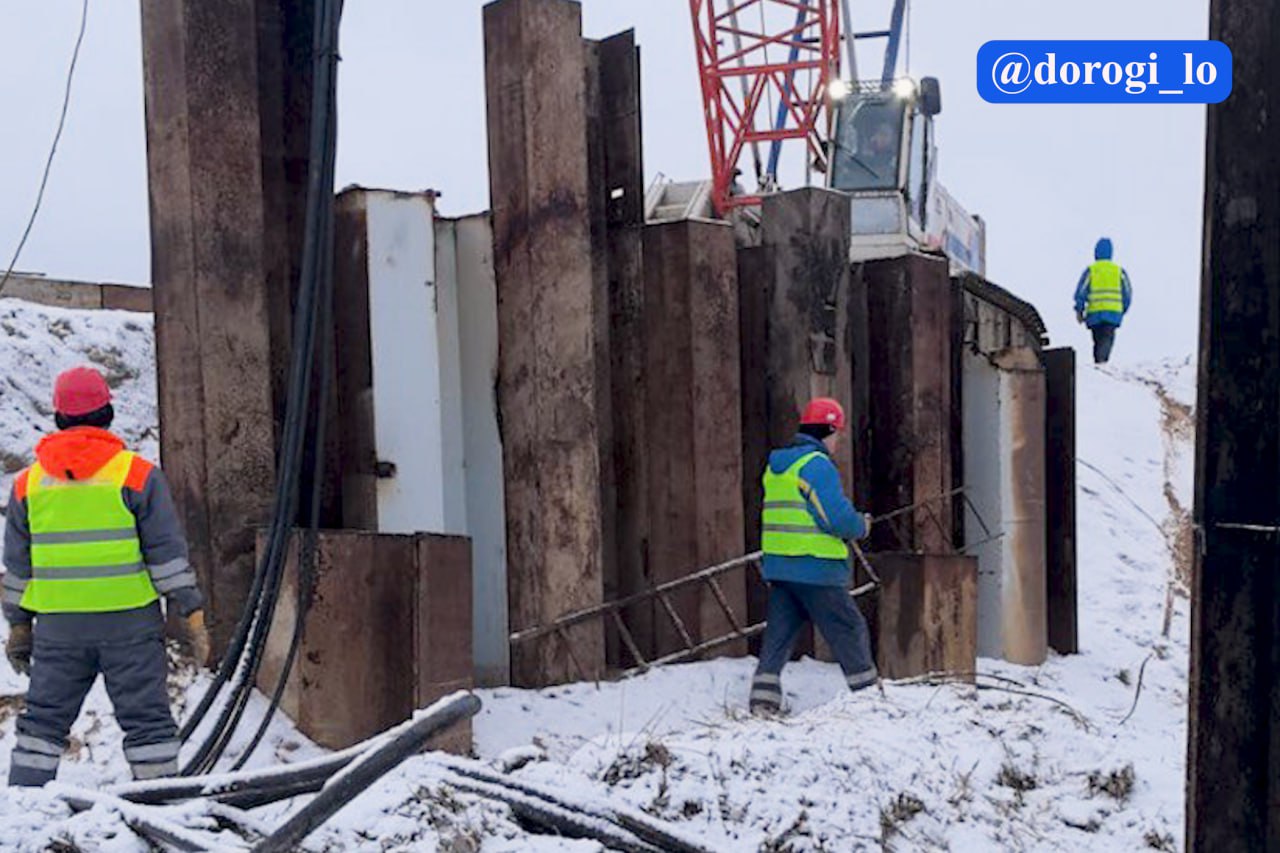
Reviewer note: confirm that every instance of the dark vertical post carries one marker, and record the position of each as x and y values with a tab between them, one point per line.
755	275
219	79
717	426
692	413
539	174
1233	785
1060	498
959	329
597	197
622	191
353	378
442	628
857	342
909	304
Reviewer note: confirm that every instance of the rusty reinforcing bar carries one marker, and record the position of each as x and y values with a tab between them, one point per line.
709	577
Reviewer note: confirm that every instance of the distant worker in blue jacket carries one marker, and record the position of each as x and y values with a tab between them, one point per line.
1102	299
807	522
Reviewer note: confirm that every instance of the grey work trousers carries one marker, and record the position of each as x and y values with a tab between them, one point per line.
61	676
836	617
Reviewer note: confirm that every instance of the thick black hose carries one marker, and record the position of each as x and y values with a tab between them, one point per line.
244	656
371	767
648	829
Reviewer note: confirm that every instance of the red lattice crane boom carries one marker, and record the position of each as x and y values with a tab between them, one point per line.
766	68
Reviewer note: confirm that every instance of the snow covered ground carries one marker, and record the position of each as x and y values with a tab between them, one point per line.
1063	759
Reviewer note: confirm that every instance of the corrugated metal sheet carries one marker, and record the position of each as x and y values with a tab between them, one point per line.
1020	309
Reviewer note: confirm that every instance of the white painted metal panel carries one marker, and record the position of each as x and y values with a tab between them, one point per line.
983	466
449	349
477	298
410	369
1024	623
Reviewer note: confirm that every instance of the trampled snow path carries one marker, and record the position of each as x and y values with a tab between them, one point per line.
917	768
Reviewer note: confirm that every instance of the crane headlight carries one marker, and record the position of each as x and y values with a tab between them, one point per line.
838	89
904	87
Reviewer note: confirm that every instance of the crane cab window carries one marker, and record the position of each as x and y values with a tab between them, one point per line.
868	144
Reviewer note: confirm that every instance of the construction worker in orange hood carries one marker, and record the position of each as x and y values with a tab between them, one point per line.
92	540
807	523
1103	296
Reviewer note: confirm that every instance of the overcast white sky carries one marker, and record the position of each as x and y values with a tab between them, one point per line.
1048	179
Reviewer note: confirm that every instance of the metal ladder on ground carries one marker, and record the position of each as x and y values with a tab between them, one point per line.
710	578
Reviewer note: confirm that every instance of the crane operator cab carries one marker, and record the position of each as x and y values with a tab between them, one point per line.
883	155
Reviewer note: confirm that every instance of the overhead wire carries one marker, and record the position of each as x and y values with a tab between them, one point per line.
53	149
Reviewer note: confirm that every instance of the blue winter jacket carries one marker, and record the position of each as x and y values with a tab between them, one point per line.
832	511
1102	252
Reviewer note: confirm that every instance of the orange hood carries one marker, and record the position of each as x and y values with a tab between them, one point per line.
78	453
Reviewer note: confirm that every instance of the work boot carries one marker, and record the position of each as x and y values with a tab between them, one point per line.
766	694
862	680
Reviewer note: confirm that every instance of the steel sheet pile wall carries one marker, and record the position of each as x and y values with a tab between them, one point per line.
925	619
618	379
909	305
691	393
388	632
1233	790
548	304
400	465
225	146
617	180
926	615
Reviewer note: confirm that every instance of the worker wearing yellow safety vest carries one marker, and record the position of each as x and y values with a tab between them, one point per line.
1103	296
806	523
92	541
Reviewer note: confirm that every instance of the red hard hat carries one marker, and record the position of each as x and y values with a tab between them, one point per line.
79	391
824	411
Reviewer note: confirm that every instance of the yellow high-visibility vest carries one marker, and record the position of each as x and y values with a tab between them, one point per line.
788	528
1106	292
85	552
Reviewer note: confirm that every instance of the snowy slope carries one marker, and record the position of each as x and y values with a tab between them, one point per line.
38	342
919	767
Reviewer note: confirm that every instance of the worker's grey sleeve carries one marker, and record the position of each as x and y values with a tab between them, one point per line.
17	560
164	547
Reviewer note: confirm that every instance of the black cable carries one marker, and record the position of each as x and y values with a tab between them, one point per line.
244	656
307	555
53	149
320	195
